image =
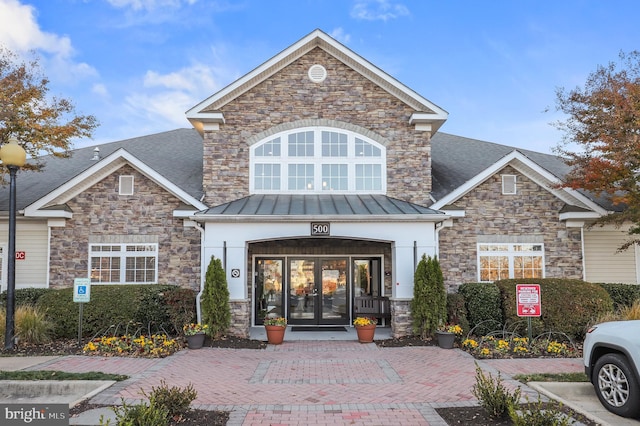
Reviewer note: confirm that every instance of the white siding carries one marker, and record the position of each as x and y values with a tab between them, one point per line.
603	263
32	238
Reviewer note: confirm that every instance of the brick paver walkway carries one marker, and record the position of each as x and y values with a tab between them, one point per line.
315	383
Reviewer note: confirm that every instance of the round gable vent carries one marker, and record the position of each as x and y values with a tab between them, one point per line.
317	73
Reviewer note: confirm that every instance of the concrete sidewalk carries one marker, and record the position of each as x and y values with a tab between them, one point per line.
315	382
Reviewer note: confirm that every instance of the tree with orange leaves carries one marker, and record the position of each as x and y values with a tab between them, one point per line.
604	122
41	123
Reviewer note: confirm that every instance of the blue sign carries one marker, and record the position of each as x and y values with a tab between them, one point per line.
81	290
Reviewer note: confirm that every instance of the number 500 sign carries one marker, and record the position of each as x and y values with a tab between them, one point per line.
320	228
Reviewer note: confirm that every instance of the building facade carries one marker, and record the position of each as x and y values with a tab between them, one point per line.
319	181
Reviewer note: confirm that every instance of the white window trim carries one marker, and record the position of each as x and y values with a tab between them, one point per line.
351	160
3	261
126	185
510	254
505	188
123	254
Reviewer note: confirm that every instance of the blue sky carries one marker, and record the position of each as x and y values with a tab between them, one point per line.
494	65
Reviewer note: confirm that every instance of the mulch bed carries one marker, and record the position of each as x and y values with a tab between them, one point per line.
476	416
191	418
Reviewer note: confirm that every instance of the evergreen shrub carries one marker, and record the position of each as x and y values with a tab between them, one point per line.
116	309
457	312
622	295
483	304
216	312
429	303
25	296
568	306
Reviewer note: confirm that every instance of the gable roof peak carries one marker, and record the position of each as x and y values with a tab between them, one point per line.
207	113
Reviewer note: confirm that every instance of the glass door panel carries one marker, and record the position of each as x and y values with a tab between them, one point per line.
366	277
318	291
268	294
335	292
303	292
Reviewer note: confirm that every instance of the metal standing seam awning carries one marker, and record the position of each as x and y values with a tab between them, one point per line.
343	207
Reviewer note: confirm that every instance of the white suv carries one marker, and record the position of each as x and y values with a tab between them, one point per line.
611	356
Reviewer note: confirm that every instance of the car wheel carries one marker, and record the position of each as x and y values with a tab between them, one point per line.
616	385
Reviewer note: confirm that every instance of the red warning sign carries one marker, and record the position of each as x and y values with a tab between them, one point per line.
528	300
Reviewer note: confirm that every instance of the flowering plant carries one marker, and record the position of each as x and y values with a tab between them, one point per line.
360	321
193	329
282	322
451	328
154	346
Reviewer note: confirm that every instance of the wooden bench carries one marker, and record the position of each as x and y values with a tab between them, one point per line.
372	306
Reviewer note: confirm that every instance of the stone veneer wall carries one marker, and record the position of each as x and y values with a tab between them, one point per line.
533	211
289	96
101	214
401	318
240	318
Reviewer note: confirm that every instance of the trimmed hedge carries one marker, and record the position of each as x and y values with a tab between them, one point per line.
120	309
483	304
568	306
457	312
25	296
623	295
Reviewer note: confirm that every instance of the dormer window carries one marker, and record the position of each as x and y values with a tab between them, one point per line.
508	184
318	160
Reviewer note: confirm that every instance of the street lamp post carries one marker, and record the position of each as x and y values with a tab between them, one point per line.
13	156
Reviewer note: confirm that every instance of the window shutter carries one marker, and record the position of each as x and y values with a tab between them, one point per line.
508	184
126	185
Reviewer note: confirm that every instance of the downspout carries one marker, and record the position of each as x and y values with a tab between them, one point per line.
224	255
584	261
199	295
439	227
415	255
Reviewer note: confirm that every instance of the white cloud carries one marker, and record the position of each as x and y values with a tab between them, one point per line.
378	10
100	90
162	110
149	4
21	33
166	97
340	35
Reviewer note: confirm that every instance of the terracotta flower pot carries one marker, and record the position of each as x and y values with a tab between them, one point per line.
196	341
275	334
365	333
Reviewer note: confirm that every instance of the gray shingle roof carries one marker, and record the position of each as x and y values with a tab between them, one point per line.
456	159
177	155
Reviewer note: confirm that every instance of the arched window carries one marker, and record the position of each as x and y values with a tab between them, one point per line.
318	160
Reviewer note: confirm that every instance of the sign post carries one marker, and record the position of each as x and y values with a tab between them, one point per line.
528	302
81	294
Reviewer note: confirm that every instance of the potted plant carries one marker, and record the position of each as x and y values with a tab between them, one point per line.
447	334
275	327
195	333
366	328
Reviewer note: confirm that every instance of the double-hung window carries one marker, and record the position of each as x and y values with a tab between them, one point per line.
499	261
124	263
318	160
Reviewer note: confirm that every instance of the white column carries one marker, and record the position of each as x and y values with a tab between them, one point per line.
406	255
233	257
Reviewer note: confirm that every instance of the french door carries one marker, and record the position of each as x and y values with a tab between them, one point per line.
318	291
313	290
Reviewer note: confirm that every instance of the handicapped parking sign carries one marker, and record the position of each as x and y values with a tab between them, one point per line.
81	290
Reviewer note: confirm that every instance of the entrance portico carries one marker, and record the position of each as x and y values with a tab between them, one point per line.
307	257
